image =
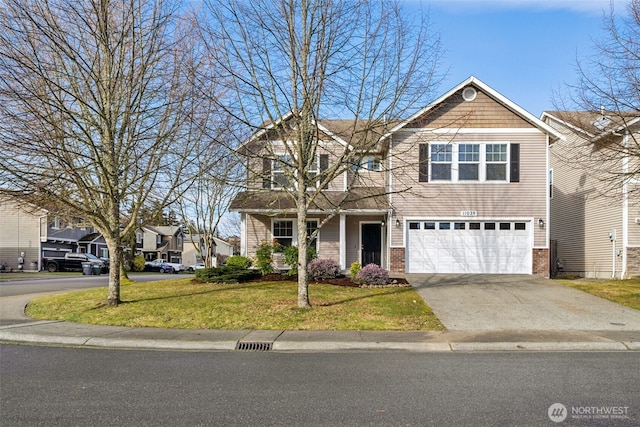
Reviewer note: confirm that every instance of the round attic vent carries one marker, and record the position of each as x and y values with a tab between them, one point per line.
469	93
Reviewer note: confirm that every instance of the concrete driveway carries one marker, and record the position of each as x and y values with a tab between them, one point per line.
509	302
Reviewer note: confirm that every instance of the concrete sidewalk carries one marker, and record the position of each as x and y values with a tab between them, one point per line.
18	328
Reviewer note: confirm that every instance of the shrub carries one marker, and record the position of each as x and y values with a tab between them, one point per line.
225	275
291	258
239	261
264	258
319	269
372	275
138	263
355	268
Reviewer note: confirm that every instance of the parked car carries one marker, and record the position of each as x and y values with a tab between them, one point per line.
176	266
73	262
159	266
195	267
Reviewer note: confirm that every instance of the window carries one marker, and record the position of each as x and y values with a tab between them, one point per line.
158	239
445	226
104	252
468	162
459	225
312	225
370	163
283	232
429	225
520	226
496	158
314	169
138	237
505	226
441	159
551	183
414	226
279	172
489	225
471	162
474	226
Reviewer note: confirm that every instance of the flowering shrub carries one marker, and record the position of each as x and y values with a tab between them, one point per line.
319	269
355	268
372	275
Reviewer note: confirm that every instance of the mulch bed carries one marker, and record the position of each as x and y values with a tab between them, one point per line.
338	281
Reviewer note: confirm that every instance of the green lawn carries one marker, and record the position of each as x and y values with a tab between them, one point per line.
623	292
184	303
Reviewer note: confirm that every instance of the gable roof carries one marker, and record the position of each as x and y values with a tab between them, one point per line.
493	94
595	125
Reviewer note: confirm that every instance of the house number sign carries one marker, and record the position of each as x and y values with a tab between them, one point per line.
468	213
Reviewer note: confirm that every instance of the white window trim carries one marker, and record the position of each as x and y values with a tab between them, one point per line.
280	171
294	237
482	163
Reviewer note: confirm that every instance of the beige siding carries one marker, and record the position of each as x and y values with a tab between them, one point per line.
584	210
483	112
19	232
524	199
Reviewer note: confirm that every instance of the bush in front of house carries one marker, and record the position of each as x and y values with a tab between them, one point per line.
372	275
355	268
291	258
238	261
264	258
225	274
138	263
320	269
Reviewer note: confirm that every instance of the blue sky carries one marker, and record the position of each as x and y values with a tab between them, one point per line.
524	49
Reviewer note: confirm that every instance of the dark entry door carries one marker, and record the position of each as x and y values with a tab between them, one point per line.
371	244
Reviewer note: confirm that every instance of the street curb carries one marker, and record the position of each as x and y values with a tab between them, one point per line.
9	335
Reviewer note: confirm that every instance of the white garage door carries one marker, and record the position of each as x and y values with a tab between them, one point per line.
489	247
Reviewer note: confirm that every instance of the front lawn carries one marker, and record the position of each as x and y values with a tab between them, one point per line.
185	303
623	292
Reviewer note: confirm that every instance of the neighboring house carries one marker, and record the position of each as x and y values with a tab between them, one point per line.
23	229
190	255
595	220
164	242
459	187
41	234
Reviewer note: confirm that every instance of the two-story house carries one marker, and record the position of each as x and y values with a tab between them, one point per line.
29	233
595	199
459	187
165	242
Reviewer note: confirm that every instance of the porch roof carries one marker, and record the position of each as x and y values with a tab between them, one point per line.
365	199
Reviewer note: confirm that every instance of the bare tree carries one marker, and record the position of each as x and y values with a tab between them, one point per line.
606	98
291	63
205	202
100	104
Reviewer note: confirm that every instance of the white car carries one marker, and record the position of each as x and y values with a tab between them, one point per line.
195	267
177	267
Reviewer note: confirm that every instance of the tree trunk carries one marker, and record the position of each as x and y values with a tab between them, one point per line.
115	253
303	280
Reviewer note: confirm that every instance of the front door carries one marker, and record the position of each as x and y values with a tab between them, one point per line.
371	244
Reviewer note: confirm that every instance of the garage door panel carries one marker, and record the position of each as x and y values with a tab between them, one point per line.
507	251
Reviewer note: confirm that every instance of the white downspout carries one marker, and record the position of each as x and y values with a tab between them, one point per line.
625	207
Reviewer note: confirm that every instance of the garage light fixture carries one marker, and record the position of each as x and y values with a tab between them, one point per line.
397	223
541	223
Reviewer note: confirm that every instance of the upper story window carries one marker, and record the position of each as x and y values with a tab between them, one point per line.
469	162
138	237
370	163
280	176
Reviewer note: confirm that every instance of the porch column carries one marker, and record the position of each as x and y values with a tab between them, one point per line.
243	234
343	241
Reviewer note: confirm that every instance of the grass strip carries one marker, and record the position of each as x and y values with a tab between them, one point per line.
624	292
187	304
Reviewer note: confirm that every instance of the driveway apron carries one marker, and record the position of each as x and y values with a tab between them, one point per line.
507	302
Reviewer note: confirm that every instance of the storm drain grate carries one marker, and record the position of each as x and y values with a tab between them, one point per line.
253	346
